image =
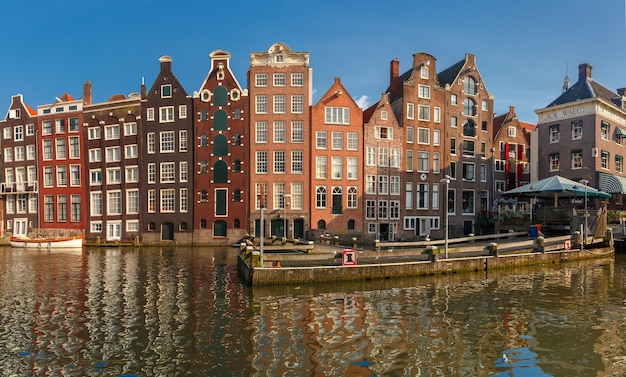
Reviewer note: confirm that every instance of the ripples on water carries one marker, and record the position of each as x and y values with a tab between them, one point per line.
183	312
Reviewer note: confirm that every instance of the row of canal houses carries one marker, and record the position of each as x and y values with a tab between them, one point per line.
166	165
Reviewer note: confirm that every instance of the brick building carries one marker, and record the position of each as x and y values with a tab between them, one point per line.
280	91
337	157
221	147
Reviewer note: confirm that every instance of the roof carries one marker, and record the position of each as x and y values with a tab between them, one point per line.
586	88
449	75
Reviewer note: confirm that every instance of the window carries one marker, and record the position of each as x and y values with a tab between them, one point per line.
422	196
469	107
383	132
279	162
183	174
96	203
48	209
280	132
279	79
353	167
166	114
483	173
337	199
408	195
337	115
47	151
469	85
182	111
337	140
132	225
112	132
554	133
297	161
553	160
500	165
166	91
409	160
321	167
383	156
577	159
297	132
74	147
151	141
93	133
453	170
152	172
76	208
619	164
436	137
469	128
468	202
75	175
297	104
95	155
167	172
423	91
95	177
353	141
261	132
469	148
437	114
48	176
469	171
511	131
59	126
423	136
61	175
423	161
410	134
279	104
132	174
130	151
370	156
168	201
261	104
184	200
394	185
353	197
321	140
130	129
337	167
577	129
436	162
605	130
150	114
19	153
261	162
320	197
410	111
61	151
182	140
383	115
435	196
30	152
370	209
18	133
297	79
453	122
485	105
382	209
46	129
424	71
423	112
453	146
30	129
167	142
261	79
132	201
604	159
113	154
370	184
114	176
383	184
151	201
394	158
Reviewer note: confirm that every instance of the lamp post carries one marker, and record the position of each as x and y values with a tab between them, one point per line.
585	182
446	182
285	196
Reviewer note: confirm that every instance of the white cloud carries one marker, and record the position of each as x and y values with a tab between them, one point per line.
363	102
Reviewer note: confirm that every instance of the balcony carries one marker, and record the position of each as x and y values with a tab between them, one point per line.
28	187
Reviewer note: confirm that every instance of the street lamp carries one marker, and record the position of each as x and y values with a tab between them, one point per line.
585	182
285	196
446	182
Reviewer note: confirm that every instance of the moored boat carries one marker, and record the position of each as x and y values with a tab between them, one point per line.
47	242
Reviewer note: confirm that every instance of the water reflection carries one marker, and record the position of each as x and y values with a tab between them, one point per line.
183	311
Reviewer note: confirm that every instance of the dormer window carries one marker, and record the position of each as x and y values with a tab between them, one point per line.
279	58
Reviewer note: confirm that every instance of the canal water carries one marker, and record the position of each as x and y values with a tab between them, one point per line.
184	312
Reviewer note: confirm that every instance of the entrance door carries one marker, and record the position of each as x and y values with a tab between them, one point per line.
114	231
298	228
20	227
384	231
167	232
278	226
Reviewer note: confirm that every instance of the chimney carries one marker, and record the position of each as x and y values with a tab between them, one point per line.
394	74
584	71
166	63
87	93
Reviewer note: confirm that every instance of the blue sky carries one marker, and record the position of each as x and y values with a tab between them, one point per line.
521	47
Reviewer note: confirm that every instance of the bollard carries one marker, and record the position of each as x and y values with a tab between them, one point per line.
432	253
608	237
577	240
336	238
354	245
540	245
493	249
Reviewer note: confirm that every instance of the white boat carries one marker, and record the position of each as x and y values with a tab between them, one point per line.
47	242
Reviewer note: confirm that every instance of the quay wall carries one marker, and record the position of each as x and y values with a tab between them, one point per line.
326	274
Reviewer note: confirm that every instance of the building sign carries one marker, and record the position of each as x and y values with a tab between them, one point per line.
564	113
348	257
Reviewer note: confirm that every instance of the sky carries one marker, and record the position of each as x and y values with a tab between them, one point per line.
523	48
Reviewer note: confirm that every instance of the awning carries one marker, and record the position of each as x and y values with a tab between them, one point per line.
612	184
620	132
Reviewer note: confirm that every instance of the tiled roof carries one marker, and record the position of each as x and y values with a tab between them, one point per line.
116	97
448	75
66	98
585	89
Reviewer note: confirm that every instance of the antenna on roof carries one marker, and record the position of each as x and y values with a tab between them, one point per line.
566	79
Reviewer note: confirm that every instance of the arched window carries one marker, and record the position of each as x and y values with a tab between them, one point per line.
237	168
237	195
220	120
203	167
320	197
203	140
204	196
236	223
469	107
220	145
203	115
237	139
220	172
220	96
237	114
203	224
469	128
321	224
353	197
183	226
351	224
219	228
151	227
469	85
